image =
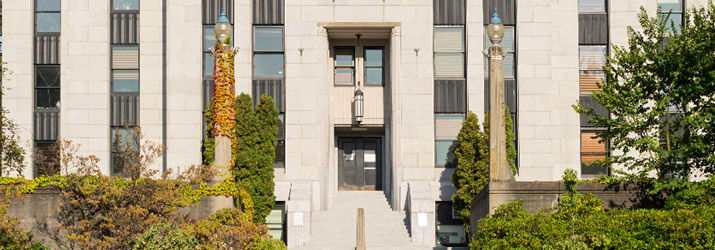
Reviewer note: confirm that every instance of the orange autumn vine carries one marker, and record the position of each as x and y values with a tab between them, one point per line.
224	114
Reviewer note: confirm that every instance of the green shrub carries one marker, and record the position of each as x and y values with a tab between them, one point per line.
579	223
255	150
266	243
472	151
166	237
696	194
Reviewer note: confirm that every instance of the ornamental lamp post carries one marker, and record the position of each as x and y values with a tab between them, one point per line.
499	169
223	98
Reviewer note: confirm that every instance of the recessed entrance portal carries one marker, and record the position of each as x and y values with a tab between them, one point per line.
359	163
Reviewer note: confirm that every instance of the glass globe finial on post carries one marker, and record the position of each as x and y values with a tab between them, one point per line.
495	29
222	29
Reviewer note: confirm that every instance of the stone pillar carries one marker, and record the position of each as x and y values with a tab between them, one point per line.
499	169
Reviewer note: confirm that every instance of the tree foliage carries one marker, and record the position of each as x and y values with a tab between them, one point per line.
661	92
255	150
13	155
472	151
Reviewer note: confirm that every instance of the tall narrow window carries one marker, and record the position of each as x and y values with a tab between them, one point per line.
269	64
124	83
450	85
374	65
47	75
593	49
344	65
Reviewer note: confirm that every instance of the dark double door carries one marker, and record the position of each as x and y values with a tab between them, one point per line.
359	163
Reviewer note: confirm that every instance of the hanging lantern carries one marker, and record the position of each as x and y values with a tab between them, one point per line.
358	105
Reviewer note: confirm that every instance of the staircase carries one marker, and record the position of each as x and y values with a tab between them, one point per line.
335	228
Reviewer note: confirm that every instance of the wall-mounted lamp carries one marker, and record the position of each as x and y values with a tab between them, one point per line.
417	51
358	105
301	51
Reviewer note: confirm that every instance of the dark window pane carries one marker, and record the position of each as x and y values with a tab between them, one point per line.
47	77
48	22
126	4
266	65
344	57
48	5
46	158
268	39
208	64
373	76
279	161
125	81
444	154
592	5
47	98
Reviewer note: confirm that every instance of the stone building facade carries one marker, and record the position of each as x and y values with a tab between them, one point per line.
82	69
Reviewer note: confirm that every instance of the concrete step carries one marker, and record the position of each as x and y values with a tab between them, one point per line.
335	228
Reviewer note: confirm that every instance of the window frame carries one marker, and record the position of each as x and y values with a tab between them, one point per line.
606	153
454	139
365	66
36	88
280	142
58	12
669	15
604	11
113	10
438	223
268	52
353	67
113	69
113	152
581	70
463	53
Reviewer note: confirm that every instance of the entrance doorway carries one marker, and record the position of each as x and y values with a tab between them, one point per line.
359	163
